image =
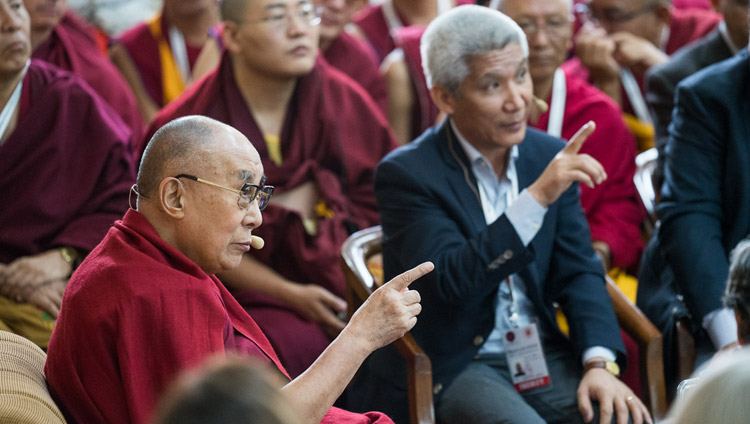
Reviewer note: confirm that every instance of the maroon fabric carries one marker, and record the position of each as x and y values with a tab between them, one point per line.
143	49
357	60
136	313
65	170
424	112
692	4
686	27
373	24
71	46
613	210
333	135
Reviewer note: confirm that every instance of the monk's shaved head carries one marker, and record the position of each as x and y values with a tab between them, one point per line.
181	146
233	10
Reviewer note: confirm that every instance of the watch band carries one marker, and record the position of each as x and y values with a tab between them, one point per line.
610	366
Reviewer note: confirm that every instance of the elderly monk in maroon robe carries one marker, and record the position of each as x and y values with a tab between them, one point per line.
163	56
347	53
379	23
320	137
622	39
145	304
61	39
65	170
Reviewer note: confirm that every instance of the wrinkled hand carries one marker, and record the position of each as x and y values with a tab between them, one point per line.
595	49
613	396
21	276
566	167
321	306
390	311
635	52
48	297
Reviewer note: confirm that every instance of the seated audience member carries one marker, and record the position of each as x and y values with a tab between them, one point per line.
320	137
719	395
347	53
613	211
737	294
380	22
704	210
160	58
61	39
65	170
623	39
725	41
226	391
145	304
494	206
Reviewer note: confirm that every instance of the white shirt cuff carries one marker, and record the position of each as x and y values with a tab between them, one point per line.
598	352
721	327
526	216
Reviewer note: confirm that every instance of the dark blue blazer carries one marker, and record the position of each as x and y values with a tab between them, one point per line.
705	207
430	209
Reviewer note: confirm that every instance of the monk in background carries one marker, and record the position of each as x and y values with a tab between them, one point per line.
621	39
62	39
65	170
320	137
146	305
348	53
163	56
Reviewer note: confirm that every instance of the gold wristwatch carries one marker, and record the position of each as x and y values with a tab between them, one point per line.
69	255
610	366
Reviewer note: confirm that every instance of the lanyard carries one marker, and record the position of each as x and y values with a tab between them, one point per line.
633	91
513	316
393	21
179	52
7	114
557	108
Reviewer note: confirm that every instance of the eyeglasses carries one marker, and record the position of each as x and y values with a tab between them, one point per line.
612	16
247	193
553	26
280	17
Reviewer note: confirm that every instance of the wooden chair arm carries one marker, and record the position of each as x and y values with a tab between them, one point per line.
650	346
419	380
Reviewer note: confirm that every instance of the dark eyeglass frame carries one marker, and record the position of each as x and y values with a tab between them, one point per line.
246	196
584	11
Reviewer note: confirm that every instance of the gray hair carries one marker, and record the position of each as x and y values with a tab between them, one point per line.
457	35
719	394
737	294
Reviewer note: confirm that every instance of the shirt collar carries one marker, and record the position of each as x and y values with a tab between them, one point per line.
474	155
725	36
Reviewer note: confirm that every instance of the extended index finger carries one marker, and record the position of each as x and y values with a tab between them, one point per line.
403	280
575	143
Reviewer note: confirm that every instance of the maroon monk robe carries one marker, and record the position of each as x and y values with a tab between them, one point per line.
135	314
71	46
143	50
613	209
685	27
333	135
357	60
373	24
65	170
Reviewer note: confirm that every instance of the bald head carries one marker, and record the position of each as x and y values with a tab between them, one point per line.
233	10
181	146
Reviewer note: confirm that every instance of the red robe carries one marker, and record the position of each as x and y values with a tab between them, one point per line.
686	26
136	313
372	22
66	169
613	209
357	60
333	135
143	50
71	46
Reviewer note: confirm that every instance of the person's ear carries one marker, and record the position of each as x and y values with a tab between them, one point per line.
664	13
230	36
172	197
443	98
